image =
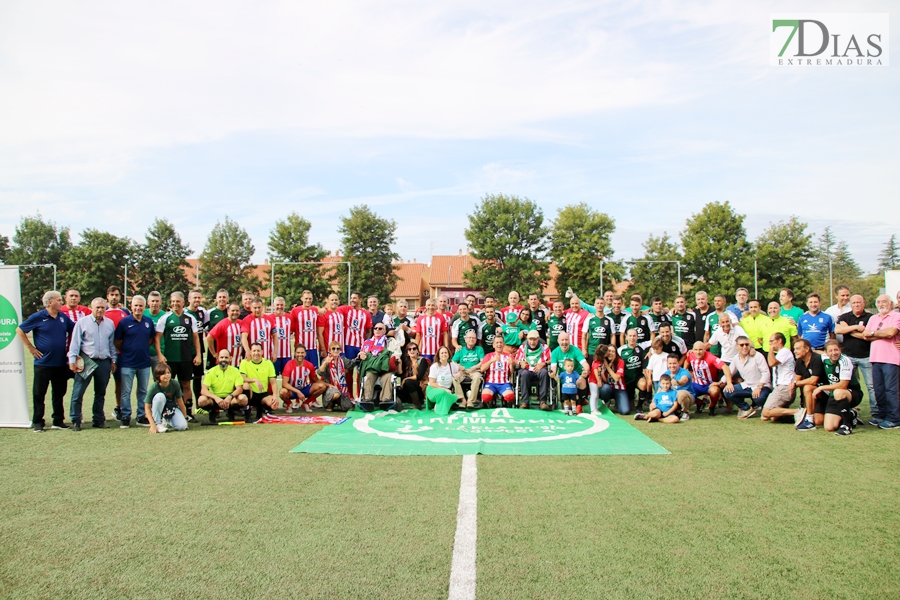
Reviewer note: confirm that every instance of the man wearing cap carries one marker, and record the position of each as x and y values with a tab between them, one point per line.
531	360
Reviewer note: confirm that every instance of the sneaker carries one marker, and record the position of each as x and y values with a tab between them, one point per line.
125	424
712	410
685	416
578	410
289	409
746	414
117	413
142	421
60	426
640	417
875	421
191	419
799	416
200	411
100	425
856	420
162	427
805	425
38	427
843	430
76	426
888	425
307	408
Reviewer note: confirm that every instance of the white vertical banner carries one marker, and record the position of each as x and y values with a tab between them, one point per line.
13	397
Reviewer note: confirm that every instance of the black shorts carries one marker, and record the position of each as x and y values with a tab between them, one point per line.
257	397
837	407
569	397
197	370
183	371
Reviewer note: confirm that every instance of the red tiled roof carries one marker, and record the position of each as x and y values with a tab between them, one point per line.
409	284
452	265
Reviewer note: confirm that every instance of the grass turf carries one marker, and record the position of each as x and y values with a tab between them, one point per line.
738	510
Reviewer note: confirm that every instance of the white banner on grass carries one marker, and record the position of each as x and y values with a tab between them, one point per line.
13	398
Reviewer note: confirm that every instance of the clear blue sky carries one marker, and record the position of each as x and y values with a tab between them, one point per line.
116	113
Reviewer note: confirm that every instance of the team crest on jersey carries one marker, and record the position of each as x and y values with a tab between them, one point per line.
355	323
237	339
146	325
430	330
280	331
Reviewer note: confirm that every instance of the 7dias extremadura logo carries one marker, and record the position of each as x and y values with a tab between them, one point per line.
829	40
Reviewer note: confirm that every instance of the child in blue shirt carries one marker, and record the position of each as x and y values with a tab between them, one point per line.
569	386
666	409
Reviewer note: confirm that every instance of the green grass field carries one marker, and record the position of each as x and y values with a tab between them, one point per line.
738	510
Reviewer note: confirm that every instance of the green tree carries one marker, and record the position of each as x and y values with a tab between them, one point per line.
889	258
37	242
4	249
660	278
366	241
509	240
160	261
717	255
784	254
97	262
579	243
225	261
833	261
289	242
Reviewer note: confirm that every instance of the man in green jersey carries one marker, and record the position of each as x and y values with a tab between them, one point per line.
468	357
556	324
462	325
639	322
557	363
490	328
219	312
633	356
179	332
841	391
599	330
788	310
683	321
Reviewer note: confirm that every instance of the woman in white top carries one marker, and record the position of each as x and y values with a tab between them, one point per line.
440	381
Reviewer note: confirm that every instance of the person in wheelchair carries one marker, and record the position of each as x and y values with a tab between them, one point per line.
469	359
531	362
377	362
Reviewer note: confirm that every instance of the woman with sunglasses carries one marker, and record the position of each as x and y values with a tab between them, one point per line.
413	377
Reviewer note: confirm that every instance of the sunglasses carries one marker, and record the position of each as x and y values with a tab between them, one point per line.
743	345
412	349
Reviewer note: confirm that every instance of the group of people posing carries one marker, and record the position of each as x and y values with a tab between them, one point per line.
656	361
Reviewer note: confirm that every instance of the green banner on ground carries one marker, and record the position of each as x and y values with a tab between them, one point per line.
487	431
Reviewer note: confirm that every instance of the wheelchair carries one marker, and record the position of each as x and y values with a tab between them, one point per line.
533	398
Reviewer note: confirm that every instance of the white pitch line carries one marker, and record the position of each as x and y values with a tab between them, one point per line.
462	569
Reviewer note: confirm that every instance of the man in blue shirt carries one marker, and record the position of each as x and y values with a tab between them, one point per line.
133	337
814	326
50	329
92	338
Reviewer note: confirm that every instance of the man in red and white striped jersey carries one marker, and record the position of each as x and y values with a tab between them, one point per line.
575	320
257	328
330	324
431	332
226	335
357	325
443	311
513	307
283	326
299	383
497	367
305	318
72	308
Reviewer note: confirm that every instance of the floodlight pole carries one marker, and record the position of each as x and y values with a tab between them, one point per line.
756	279
830	281
349	272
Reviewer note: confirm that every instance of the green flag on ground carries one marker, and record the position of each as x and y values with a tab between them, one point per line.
486	431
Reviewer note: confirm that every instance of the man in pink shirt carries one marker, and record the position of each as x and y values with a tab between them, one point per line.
883	330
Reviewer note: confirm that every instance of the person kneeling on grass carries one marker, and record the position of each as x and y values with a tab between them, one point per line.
299	383
164	402
842	392
222	389
259	382
666	409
